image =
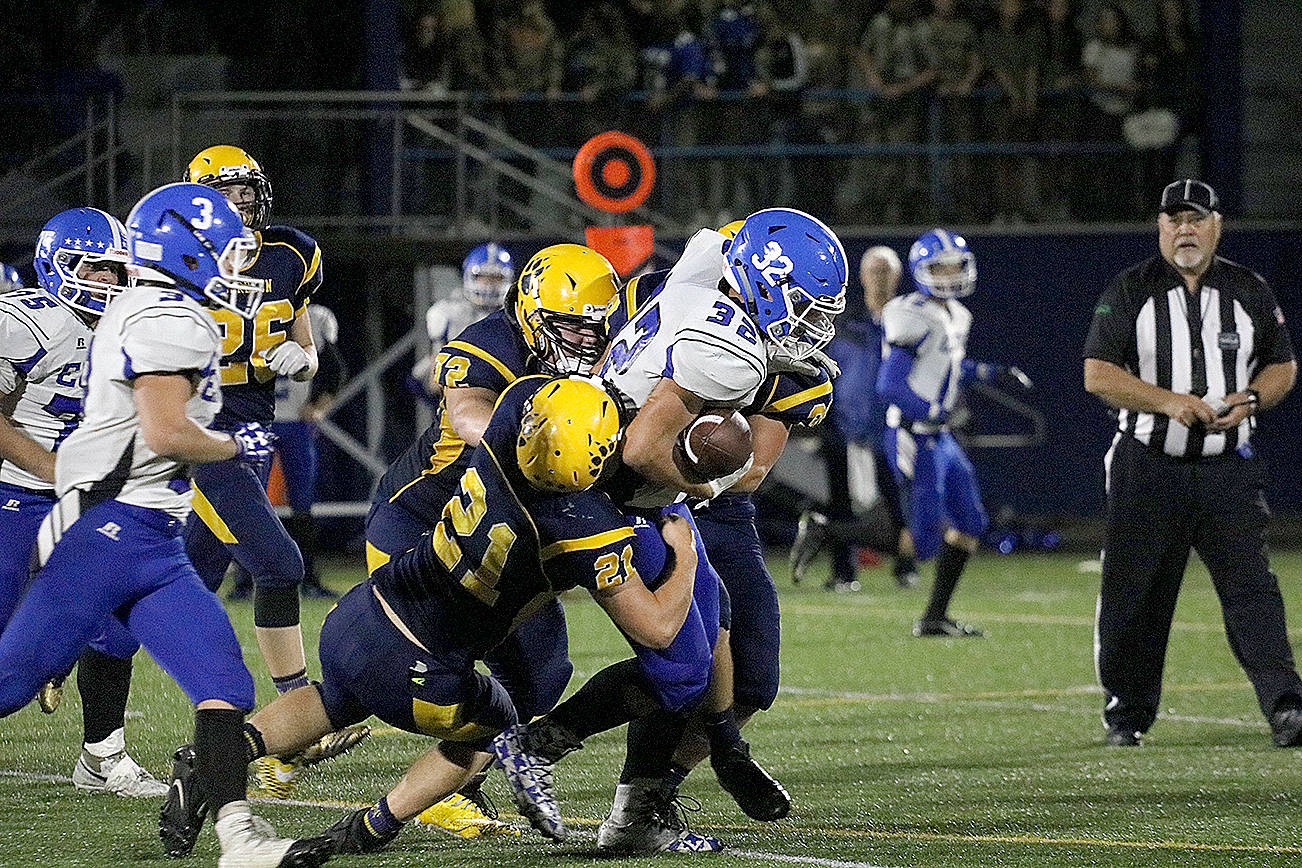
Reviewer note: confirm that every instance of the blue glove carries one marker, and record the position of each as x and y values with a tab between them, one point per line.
254	443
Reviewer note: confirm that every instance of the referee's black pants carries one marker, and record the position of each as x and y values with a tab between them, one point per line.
1159	507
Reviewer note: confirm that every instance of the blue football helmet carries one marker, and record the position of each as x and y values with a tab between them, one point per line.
942	265
486	274
82	240
192	236
791	270
9	279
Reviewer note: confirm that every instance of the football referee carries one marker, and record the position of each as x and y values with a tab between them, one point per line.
1189	347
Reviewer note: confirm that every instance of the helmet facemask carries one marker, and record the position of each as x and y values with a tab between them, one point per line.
568	343
948	275
82	293
810	325
256	213
487	285
225	289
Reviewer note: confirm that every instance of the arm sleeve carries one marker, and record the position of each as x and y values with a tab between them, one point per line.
982	372
1112	330
461	365
893	385
1273	343
163	341
595	561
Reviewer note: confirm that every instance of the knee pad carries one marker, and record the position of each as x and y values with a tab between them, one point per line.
275	606
283	571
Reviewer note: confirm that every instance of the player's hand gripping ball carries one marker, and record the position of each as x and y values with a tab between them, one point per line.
715	445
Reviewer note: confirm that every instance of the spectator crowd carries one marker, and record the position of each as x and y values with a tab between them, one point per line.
875	111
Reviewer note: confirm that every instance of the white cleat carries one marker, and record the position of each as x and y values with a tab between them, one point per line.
249	842
118	774
646	819
530	779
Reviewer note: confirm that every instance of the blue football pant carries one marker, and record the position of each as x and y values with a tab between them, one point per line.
233	518
128	562
938	487
533	663
755	621
21	513
298	462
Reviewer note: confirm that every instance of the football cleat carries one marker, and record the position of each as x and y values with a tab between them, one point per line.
946	627
250	842
1123	736
50	696
647	817
1286	726
352	834
906	574
276	775
183	811
759	796
118	774
334	743
811	534
530	778
463	817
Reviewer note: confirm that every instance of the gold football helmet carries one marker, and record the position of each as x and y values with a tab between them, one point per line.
569	432
730	230
560	306
223	166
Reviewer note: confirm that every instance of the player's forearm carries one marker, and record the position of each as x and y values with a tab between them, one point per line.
168	432
469	410
674	598
17	447
654	461
1123	390
1273	383
769	438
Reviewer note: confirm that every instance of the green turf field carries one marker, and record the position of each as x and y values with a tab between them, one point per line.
897	751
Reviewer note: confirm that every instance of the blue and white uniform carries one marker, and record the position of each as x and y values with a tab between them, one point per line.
112	544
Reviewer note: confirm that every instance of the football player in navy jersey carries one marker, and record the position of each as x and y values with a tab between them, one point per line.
552	322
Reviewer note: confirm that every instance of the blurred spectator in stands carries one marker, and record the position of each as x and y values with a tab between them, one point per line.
829	43
1014	54
1060	103
1110	63
526	57
600	66
675	72
732	39
1170	81
444	51
952	40
787	62
894	61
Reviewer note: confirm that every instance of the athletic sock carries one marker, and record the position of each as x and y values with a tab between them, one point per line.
380	823
103	683
949	566
614	696
721	728
652	741
286	683
675	776
219	743
254	744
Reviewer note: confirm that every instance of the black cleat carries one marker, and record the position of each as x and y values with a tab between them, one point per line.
352	835
1286	726
183	811
308	853
946	627
318	591
811	534
1123	736
754	790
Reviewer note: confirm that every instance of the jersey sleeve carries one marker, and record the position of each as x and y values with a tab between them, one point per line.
716	362
479	357
635	293
313	273
794	399
1272	338
904	324
20	348
166	341
592	545
1112	329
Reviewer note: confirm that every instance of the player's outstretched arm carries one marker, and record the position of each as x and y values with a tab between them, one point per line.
469	408
653	618
649	440
22	450
168	431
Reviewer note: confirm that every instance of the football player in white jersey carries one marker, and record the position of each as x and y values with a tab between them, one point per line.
487	273
925	362
45	335
112	546
707	337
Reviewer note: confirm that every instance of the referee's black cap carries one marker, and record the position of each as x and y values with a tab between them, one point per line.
1188	194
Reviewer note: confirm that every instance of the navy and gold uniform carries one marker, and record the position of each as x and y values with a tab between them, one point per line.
727	524
533	664
499	549
232	516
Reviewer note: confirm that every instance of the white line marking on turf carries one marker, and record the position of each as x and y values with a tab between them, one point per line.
799	860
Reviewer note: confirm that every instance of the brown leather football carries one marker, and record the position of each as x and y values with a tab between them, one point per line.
717	443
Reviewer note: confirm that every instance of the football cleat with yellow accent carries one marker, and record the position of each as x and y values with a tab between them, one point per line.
459	816
335	743
50	696
276	775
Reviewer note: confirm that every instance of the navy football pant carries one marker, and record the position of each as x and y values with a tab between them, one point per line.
233	518
128	562
298	462
369	667
752	601
533	663
21	513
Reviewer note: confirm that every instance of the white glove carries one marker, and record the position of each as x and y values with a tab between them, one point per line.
827	363
287	359
780	362
723	483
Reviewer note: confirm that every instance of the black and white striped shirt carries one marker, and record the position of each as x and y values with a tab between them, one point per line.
1210	344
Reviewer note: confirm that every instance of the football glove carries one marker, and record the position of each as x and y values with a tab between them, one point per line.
287	359
1019	376
253	443
723	483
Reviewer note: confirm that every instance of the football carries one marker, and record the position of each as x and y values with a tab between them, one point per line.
714	445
